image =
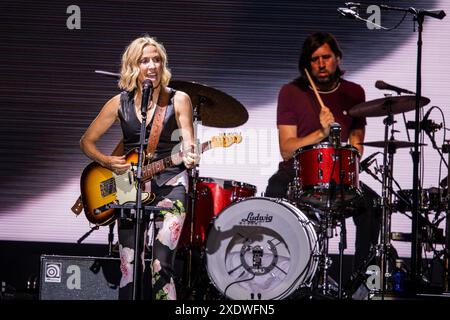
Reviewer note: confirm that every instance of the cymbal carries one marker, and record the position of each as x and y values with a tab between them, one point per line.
215	108
380	107
392	143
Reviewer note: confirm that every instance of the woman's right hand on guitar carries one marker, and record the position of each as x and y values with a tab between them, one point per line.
117	164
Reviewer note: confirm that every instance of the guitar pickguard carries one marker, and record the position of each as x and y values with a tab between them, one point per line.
126	188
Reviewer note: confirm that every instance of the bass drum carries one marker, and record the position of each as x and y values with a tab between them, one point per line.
261	249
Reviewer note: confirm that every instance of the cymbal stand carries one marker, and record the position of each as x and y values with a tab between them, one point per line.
193	179
384	246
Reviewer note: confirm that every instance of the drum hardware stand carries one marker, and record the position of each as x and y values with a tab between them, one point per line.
325	261
327	225
342	247
193	179
326	232
335	139
419	17
446	149
384	247
429	127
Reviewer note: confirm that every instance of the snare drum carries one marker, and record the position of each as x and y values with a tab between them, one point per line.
261	249
327	176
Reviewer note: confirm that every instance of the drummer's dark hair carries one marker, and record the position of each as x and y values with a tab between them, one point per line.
311	44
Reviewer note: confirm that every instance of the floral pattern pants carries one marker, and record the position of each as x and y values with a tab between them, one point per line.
164	247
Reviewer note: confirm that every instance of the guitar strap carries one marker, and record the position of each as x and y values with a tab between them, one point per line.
157	124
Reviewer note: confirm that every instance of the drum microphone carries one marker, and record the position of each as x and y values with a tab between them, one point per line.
147	88
426	124
335	134
429	125
363	165
379	84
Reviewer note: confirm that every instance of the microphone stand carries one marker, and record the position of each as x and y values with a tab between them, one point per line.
111	239
193	243
416	248
138	241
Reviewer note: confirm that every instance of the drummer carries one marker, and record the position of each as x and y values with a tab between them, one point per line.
302	122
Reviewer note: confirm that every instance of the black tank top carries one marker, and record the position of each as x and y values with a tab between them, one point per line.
131	127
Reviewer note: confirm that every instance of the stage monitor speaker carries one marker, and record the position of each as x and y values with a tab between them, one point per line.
79	278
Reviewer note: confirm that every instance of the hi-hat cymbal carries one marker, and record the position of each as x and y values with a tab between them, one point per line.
384	106
215	108
392	144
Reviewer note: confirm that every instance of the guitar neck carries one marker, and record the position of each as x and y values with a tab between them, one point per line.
151	169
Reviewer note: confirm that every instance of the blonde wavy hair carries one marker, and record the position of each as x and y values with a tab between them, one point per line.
129	72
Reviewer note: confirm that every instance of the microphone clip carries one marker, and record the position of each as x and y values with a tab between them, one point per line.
426	125
335	134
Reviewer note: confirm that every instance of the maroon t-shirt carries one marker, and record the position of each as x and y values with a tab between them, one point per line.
300	107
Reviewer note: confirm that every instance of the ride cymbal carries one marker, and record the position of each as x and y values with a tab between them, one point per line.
385	106
215	108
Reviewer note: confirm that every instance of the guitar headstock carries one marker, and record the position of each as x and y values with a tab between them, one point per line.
225	140
78	206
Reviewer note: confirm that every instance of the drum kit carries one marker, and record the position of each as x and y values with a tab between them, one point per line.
236	245
239	246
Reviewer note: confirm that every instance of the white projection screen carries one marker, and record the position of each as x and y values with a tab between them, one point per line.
247	49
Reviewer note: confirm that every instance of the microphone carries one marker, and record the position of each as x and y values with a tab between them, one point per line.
353	4
335	134
334	126
365	164
429	125
147	88
385	86
348	13
426	124
437	14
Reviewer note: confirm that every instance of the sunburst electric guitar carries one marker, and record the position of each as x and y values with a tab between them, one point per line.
101	187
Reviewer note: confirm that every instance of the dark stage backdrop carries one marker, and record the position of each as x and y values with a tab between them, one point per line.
247	49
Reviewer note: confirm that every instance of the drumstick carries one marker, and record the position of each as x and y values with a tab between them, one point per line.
311	82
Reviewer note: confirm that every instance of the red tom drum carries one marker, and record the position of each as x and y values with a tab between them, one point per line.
212	196
327	176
